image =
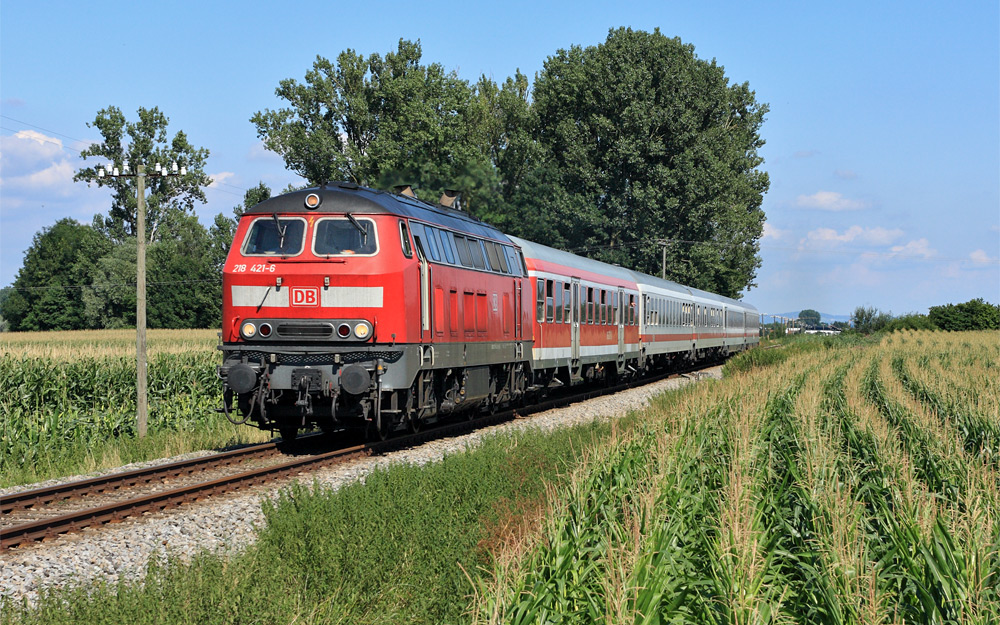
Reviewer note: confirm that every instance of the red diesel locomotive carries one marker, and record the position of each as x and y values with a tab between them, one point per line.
348	307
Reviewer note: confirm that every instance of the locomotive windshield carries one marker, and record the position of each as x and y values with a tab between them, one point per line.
270	236
344	236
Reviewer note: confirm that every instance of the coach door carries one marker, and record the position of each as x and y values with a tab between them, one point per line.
620	310
575	325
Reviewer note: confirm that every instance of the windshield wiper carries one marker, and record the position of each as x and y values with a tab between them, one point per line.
281	232
362	229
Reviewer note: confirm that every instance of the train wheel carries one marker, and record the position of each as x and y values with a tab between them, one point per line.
379	429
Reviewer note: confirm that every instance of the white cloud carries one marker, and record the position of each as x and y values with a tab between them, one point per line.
220	178
770	232
27	151
980	257
31	161
806	153
845	174
824	237
829	201
917	247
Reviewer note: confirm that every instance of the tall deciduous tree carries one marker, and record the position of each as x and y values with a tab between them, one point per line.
376	121
224	229
810	317
144	142
49	291
640	142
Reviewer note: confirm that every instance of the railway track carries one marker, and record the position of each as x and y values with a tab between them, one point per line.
54	520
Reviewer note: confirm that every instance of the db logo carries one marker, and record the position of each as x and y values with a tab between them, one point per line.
305	296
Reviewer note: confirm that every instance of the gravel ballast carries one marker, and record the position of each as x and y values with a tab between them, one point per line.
226	524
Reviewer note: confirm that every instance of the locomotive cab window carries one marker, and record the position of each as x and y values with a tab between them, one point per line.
273	236
337	236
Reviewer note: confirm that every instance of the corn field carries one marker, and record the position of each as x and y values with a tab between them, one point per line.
66	396
839	485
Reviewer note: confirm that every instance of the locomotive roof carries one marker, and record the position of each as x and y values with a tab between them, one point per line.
347	197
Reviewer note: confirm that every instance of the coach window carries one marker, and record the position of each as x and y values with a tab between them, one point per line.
567	303
540	300
557	292
462	245
271	236
335	236
549	302
404	237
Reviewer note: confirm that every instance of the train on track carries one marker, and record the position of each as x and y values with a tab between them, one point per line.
349	307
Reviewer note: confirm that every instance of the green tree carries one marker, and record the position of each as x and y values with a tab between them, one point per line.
378	121
5	292
48	293
224	228
869	319
641	141
144	142
810	317
976	314
184	289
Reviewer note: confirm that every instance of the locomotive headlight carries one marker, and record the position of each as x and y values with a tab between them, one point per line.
248	330
313	201
362	330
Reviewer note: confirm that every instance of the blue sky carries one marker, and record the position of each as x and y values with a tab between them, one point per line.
883	140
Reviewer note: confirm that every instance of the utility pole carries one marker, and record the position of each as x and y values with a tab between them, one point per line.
663	271
142	395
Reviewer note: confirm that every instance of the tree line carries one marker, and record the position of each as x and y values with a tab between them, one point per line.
622	151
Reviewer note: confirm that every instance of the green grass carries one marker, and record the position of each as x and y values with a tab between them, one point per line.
398	548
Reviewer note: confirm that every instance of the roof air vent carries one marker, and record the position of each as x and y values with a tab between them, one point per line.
404	189
451	199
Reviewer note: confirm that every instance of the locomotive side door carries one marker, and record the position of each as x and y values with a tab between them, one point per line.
518	322
426	332
575	325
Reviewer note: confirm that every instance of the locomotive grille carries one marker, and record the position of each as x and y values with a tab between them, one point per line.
325	359
305	330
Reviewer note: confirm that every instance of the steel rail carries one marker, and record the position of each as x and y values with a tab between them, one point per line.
115	481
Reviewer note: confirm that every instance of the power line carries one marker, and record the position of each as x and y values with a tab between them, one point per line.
129	285
66	147
40	128
851	251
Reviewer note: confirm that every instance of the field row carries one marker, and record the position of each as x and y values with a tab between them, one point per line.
843	486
